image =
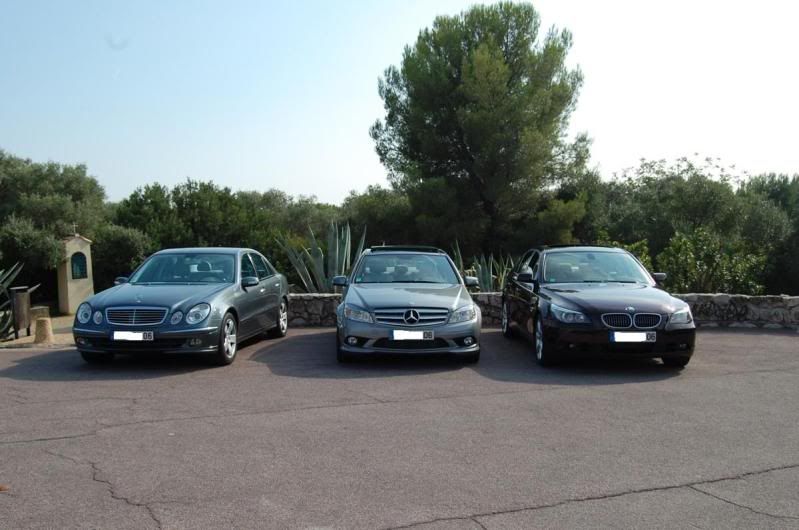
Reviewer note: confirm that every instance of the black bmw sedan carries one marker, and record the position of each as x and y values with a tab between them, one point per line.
185	300
573	299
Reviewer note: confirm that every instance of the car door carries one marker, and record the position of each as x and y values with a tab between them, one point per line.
514	292
528	297
250	301
269	290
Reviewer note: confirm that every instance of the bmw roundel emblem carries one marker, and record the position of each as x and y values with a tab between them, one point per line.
629	308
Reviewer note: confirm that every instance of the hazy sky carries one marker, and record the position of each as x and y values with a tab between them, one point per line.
256	95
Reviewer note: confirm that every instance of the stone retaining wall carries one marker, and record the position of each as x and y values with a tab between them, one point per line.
709	310
313	309
741	311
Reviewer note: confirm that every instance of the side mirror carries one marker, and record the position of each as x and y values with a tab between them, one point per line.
249	281
340	281
120	279
659	276
471	281
525	277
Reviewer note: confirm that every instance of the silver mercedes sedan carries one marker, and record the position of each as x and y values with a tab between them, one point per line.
407	300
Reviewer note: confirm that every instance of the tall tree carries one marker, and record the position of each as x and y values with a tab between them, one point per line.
482	102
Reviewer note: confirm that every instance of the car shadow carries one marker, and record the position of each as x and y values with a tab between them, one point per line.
310	353
67	365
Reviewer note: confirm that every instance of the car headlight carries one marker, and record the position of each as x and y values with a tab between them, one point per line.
358	315
84	313
197	313
567	316
98	317
463	314
177	316
683	316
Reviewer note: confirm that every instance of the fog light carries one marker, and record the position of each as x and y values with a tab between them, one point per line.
683	346
352	341
195	342
468	341
81	341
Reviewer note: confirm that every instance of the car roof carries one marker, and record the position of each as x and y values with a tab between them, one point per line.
205	250
415	249
583	248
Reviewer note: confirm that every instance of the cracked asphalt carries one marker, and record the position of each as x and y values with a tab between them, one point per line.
287	438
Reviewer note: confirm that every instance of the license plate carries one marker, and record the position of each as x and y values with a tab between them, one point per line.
633	336
401	334
134	335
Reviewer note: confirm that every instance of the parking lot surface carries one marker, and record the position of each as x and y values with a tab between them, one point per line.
287	438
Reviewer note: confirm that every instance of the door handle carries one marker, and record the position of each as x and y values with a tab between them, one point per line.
263	289
277	284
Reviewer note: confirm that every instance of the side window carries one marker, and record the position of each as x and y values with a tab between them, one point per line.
247	268
260	266
269	268
534	263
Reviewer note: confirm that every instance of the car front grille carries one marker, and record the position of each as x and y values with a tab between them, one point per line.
427	316
617	320
136	346
411	344
624	321
135	316
647	320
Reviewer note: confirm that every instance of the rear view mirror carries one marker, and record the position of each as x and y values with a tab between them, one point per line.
340	281
249	281
525	277
659	276
120	279
471	281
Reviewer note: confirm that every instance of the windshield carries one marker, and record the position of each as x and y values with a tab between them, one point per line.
405	268
186	268
593	267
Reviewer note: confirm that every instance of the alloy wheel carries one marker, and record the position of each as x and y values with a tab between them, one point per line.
229	342
284	317
539	339
504	317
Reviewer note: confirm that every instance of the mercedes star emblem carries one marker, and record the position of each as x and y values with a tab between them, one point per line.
411	316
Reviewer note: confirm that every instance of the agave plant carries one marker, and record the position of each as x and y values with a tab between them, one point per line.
457	257
316	273
6	311
491	273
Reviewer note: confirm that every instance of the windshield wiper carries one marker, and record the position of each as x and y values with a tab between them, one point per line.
609	281
413	281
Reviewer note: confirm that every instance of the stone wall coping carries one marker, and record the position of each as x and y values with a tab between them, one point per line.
709	309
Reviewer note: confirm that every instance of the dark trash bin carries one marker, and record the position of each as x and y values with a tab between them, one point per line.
21	300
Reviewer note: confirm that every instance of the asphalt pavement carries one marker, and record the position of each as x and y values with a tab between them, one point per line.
288	438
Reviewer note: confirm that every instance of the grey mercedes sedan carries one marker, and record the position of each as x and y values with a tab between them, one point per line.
409	300
185	300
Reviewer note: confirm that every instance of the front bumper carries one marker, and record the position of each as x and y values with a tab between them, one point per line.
197	340
376	338
677	342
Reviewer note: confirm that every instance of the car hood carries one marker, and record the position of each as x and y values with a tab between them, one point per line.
381	295
612	297
175	296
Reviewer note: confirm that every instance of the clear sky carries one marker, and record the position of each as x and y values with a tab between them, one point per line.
258	95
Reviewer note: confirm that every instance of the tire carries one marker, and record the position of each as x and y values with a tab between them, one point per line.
472	358
544	352
228	346
97	358
676	361
282	325
507	330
